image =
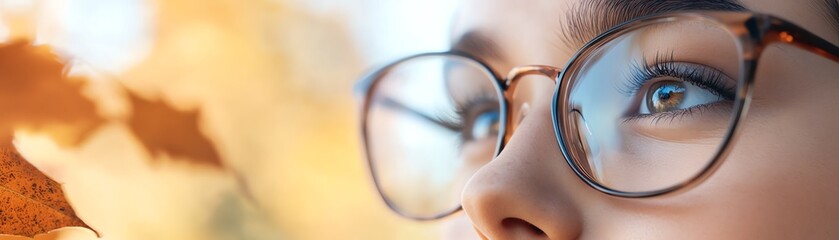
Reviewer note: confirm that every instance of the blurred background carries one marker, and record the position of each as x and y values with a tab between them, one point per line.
265	84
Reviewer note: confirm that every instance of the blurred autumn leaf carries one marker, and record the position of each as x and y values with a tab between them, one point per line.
30	202
36	94
32	83
165	130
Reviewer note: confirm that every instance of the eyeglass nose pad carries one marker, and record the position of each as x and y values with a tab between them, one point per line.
517	117
587	142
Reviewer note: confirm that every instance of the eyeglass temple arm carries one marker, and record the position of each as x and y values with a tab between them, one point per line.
783	31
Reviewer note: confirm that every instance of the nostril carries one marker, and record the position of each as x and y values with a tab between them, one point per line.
519	224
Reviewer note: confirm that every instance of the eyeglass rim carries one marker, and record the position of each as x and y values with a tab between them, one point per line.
369	82
756	32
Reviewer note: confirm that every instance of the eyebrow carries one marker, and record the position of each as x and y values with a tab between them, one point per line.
829	10
589	18
478	45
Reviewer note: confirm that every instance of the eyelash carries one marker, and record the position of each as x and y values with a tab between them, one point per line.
664	65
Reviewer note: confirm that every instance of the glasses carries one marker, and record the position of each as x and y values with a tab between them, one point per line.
647	108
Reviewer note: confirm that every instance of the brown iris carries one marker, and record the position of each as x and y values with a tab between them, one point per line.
665	96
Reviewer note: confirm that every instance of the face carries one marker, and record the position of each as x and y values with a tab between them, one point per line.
778	180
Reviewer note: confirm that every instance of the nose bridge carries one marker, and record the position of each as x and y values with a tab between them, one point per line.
511	82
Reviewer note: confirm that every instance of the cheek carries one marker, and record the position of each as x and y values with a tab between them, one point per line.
776	180
458	228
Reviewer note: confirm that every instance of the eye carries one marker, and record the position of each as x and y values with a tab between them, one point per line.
478	116
484	125
670	95
665	96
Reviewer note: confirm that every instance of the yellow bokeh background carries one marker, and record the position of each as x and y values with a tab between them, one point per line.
272	82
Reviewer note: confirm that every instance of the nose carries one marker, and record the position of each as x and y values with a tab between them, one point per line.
527	192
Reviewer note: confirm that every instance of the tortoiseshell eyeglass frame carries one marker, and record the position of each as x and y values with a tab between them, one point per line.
753	32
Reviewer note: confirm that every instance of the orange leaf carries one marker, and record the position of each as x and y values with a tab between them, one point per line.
36	94
30	202
163	129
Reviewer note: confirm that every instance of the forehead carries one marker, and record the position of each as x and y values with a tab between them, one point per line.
530	32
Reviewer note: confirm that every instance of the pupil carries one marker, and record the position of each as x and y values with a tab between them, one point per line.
665	96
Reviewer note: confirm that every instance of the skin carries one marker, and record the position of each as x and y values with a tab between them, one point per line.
778	183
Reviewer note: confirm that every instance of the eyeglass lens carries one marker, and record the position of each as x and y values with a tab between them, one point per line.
651	108
431	123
